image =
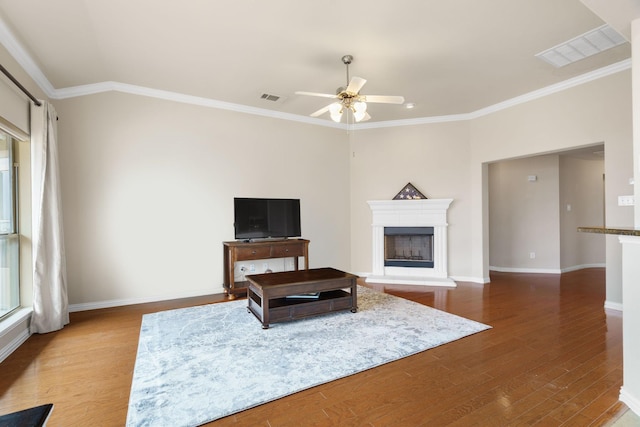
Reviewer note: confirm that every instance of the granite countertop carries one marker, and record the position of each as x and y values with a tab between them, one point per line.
622	231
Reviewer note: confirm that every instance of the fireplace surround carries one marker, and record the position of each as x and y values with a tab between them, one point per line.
410	242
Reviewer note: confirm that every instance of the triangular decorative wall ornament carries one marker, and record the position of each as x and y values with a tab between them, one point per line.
409	192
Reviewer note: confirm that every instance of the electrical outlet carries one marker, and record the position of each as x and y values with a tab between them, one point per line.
626	201
532	255
252	268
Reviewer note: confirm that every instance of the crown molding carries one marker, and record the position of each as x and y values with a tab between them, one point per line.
92	89
522	99
19	53
558	87
411	122
24	59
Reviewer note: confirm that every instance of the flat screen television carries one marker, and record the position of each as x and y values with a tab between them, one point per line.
266	218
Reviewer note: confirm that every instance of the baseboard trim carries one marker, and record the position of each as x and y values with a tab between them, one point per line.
610	305
545	270
144	300
525	270
632	402
583	266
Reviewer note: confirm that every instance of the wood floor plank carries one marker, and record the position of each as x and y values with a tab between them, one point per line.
585	396
604	402
552	357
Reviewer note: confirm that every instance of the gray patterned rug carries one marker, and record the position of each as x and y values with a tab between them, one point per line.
198	364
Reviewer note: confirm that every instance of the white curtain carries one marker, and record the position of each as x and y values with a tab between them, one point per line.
50	302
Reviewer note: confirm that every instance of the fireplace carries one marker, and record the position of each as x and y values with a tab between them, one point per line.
410	247
410	242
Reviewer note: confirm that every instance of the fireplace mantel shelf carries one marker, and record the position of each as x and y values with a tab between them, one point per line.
411	213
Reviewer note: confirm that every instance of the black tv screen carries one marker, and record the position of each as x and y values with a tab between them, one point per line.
266	218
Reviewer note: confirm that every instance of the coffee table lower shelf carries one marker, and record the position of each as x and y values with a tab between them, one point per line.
291	308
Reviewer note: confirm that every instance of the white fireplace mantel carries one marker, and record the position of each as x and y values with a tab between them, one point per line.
411	213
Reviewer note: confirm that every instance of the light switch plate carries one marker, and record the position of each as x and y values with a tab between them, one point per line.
626	201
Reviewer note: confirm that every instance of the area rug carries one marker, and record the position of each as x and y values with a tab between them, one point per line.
198	364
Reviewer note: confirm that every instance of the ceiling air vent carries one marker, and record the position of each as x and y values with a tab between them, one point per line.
269	97
587	44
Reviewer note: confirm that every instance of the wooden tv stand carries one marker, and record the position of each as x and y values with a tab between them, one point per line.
235	251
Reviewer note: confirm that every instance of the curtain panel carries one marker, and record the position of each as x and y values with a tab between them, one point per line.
50	301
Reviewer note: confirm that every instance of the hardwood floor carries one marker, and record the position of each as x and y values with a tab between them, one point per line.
553	357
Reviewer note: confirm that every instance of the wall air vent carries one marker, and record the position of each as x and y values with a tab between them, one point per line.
269	97
583	46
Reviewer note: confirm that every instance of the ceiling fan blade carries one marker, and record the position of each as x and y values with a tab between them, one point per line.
383	99
321	111
355	84
323	95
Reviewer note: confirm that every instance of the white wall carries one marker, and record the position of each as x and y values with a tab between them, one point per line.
532	216
599	111
435	159
524	215
581	204
148	188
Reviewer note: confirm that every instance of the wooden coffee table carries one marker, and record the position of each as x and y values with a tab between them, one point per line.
278	297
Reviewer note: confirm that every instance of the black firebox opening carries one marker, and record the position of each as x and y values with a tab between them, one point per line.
408	247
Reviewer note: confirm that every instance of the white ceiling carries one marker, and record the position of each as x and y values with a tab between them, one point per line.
448	57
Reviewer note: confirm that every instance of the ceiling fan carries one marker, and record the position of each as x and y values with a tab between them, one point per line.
349	98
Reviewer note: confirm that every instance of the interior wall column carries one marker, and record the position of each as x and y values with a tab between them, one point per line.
635	97
630	392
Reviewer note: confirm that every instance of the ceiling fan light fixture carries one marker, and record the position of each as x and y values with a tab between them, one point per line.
335	110
359	110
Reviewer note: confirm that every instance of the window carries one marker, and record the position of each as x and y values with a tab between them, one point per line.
9	239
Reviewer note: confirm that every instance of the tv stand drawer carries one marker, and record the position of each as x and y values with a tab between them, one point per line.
284	250
256	252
